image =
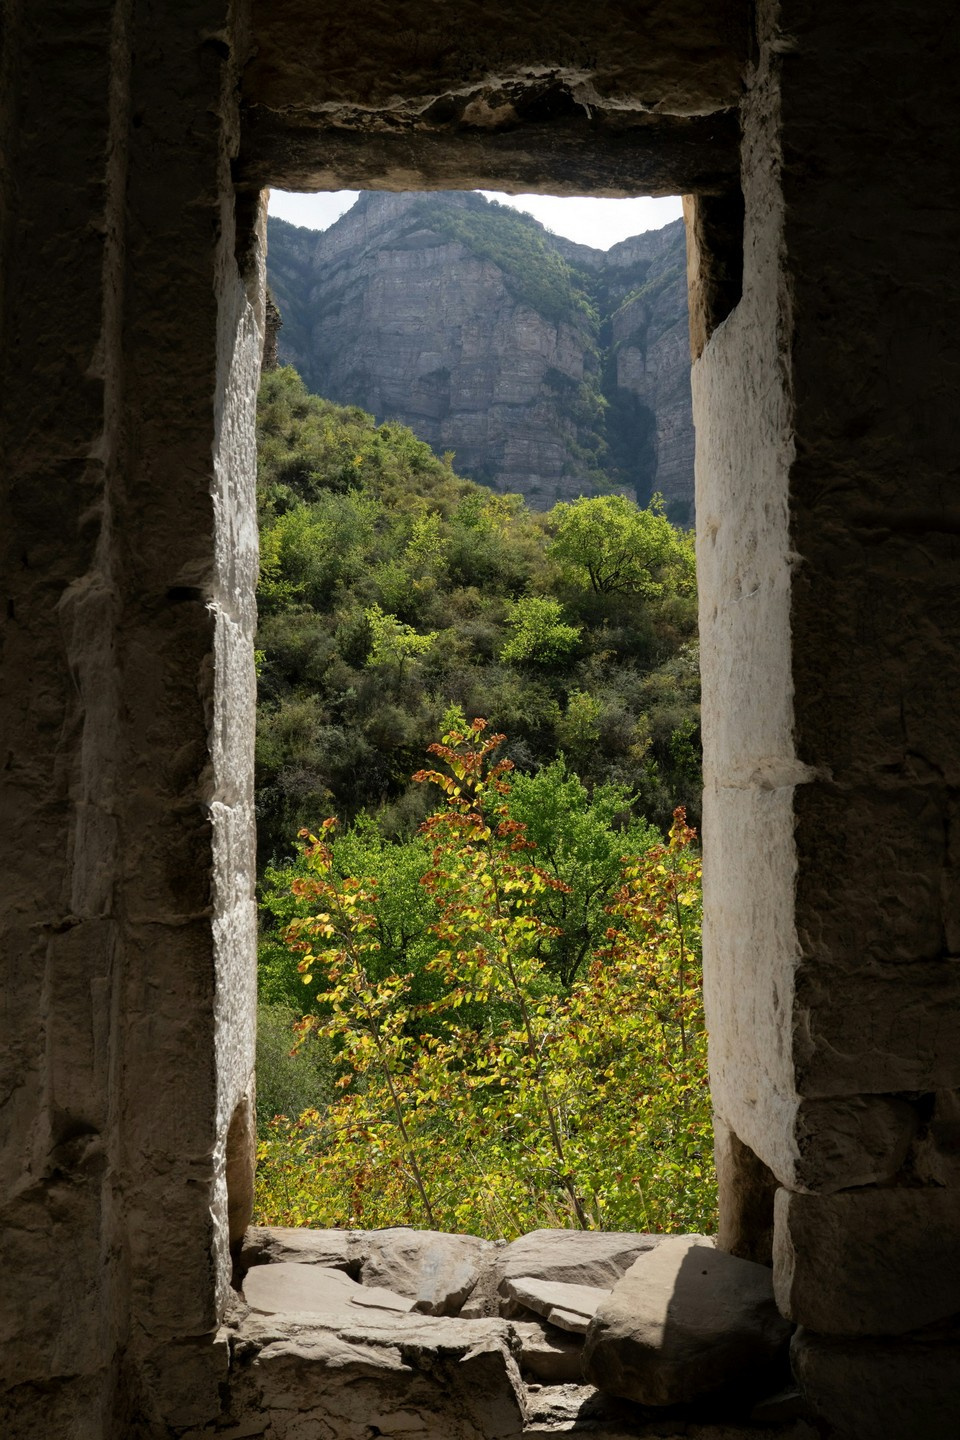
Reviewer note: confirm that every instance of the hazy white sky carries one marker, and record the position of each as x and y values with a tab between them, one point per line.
600	223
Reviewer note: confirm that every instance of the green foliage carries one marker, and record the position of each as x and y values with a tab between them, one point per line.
391	589
612	545
289	1081
581	841
392	643
538	632
502	1102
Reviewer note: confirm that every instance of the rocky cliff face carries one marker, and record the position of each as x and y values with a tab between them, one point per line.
549	368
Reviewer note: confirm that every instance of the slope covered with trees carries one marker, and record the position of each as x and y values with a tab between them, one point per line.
397	599
392	589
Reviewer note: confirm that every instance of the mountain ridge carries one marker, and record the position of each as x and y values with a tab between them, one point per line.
550	368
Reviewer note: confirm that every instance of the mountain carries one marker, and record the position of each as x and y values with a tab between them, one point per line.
550	369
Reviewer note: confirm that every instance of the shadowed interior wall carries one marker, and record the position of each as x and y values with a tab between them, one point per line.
130	355
827	443
828	564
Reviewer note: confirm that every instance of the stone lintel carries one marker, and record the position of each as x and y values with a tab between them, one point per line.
685	58
606	154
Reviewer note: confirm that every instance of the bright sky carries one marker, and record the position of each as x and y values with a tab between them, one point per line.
600	223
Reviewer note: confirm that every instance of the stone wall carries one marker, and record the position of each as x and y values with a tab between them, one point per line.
828	564
825	404
130	353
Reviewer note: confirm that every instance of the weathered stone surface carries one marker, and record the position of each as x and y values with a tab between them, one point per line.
128	563
552	1356
572	1409
685	1320
336	1249
574	1257
284	1289
686	60
569	1307
868	1262
436	1271
902	1389
484	1299
935	1154
856	1140
746	1190
425	1377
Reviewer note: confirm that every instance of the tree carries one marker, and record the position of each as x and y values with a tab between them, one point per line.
618	548
540	633
504	1102
578	842
393	642
370	546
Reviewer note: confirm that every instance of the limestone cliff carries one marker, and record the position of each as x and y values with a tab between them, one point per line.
549	368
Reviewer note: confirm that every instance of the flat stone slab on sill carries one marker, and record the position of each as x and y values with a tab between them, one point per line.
293	1289
569	1307
574	1257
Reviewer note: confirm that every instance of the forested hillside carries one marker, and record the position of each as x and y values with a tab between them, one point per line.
551	369
491	956
392	590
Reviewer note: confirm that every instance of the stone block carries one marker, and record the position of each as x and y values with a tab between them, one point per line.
423	1376
436	1271
241	1164
877	1027
568	1307
935	1154
850	1141
291	1289
902	1389
334	1249
868	1262
859	903
747	1189
552	1356
750	956
574	1257
686	1320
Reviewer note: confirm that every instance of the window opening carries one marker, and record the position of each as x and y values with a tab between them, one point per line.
475	488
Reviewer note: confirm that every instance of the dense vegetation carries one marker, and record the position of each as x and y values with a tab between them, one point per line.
392	589
479	1085
396	599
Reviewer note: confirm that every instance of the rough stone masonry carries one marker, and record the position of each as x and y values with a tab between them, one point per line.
817	144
